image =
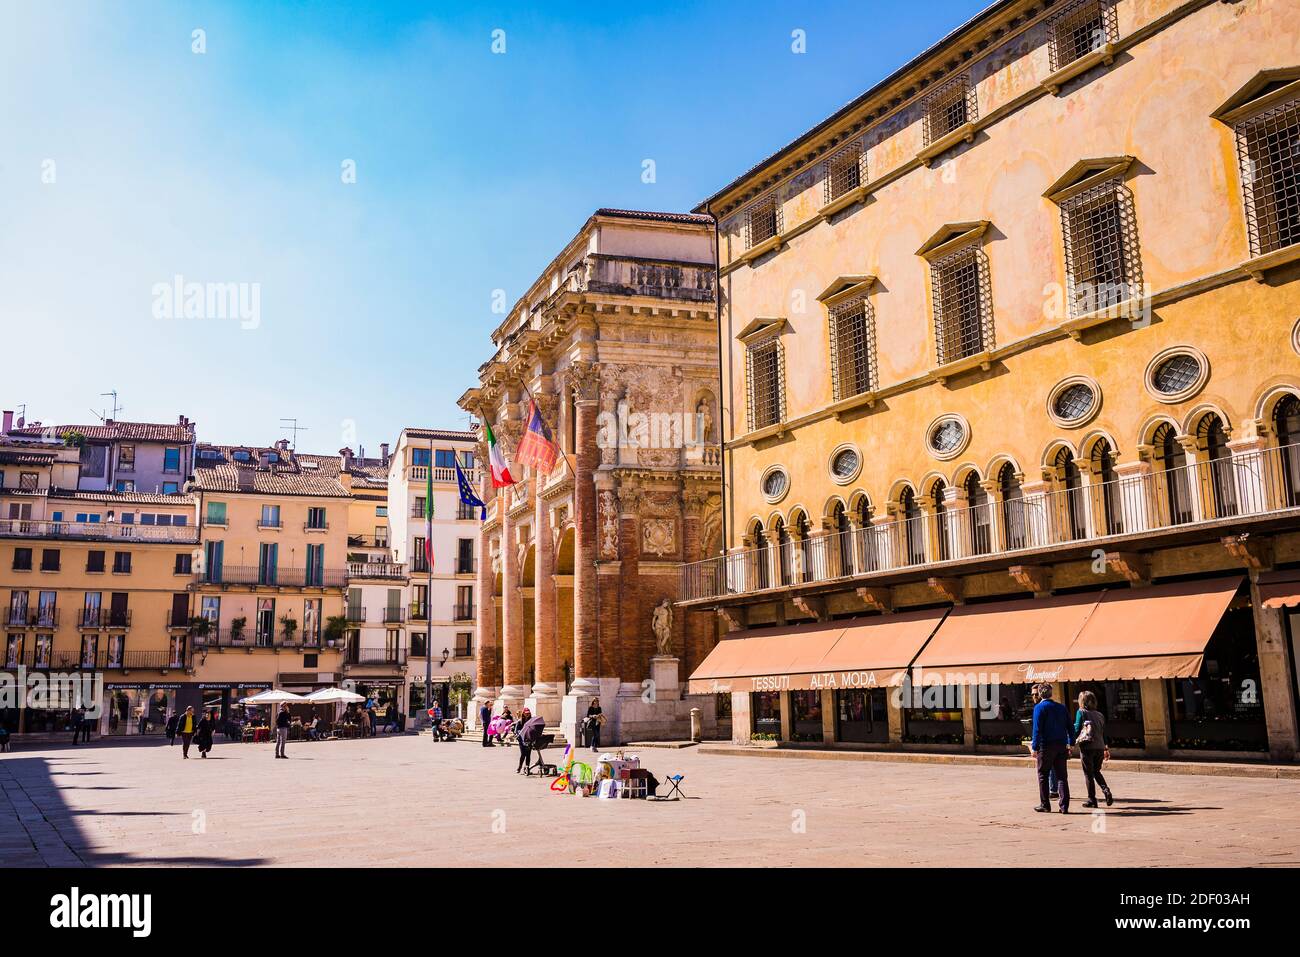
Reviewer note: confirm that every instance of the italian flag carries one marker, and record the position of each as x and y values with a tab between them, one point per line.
501	476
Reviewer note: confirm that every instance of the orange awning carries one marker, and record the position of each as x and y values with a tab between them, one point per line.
1280	589
1117	634
867	653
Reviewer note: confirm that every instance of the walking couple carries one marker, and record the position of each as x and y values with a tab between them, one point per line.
1051	743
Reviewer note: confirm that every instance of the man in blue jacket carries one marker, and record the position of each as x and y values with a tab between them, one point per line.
1051	747
485	718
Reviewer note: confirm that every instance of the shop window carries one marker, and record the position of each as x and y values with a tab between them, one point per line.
935	715
1013	722
1222	708
1120	703
805	716
765	714
861	716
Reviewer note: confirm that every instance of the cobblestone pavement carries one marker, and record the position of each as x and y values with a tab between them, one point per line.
411	801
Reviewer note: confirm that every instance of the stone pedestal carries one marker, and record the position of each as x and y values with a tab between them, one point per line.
482	696
512	696
545	701
666	674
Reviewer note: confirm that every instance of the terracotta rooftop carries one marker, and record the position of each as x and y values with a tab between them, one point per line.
296	474
182	433
694	218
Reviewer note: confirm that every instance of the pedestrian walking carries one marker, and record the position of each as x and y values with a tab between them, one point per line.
187	726
524	751
1051	747
282	722
1090	736
78	723
435	720
373	718
172	721
203	733
485	718
1051	774
595	718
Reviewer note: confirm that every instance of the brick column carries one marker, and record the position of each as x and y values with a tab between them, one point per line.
628	650
545	697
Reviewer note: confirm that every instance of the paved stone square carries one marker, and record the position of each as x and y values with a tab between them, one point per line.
411	801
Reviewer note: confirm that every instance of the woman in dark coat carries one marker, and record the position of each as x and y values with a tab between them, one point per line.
203	734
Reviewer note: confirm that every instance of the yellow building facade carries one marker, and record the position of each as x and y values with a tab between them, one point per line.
1017	323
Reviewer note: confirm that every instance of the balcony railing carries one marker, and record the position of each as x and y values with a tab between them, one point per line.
30	617
103	618
377	656
367	541
419	612
377	570
220	638
99	531
441	474
1254	484
355	614
287	577
462	613
102	660
394	616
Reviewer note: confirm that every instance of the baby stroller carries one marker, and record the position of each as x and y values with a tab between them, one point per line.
502	729
534	734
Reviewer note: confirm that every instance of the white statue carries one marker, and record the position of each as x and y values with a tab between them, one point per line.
661	621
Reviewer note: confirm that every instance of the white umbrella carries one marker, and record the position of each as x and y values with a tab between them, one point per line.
334	696
273	696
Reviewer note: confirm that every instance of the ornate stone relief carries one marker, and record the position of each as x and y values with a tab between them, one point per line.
607	521
659	536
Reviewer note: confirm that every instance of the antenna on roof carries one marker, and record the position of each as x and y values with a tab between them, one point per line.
116	408
293	427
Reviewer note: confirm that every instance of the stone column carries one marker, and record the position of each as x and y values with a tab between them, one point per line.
632	644
787	719
583	381
828	716
1137	497
489	648
1255	471
1275	670
742	717
515	688
548	684
1155	716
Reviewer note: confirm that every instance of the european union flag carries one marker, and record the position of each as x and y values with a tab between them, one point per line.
466	490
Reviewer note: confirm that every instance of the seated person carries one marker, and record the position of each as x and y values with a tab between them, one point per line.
313	730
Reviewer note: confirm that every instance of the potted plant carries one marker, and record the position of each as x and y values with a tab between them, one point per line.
458	691
335	626
200	628
237	628
73	439
764	740
290	626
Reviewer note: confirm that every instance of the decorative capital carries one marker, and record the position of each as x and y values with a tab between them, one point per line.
548	403
1255	553
583	379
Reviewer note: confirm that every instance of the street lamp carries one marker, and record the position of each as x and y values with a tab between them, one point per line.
445	655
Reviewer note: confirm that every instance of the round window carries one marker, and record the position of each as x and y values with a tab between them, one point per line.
1176	374
947	436
775	484
846	463
1074	402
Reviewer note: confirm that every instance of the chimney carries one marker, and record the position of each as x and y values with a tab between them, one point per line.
383	453
282	445
346	455
8	421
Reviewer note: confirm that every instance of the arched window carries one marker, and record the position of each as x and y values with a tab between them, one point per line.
980	510
843	551
805	567
942	519
762	557
868	536
913	537
1173	462
1072	508
1103	468
1013	507
784	553
1286	423
1212	438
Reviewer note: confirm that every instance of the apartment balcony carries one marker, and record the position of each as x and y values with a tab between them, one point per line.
315	526
442	475
386	570
466	566
102	618
376	657
634	276
274	577
418	612
1202	501
394	616
356	615
367	541
462	613
103	660
30	618
226	639
99	531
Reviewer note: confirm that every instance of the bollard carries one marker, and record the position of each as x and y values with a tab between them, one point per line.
696	725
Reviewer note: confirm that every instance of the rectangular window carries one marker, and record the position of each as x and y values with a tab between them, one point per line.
464	511
464	556
381	511
90	609
464	644
948	108
316	565
445	459
963	320
464	610
124	485
216	513
316	518
311	621
171	488
17	608
213	554
122	563
853	348
94	561
419	645
22	559
419	560
844	171
28	481
1079	29
268	562
50	559
172	459
47	609
421	456
1268	148
766	384
762	221
467	460
184	563
126	458
1101	257
270	516
265	625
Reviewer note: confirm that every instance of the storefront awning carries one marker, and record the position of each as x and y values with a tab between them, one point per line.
1117	634
1280	589
868	653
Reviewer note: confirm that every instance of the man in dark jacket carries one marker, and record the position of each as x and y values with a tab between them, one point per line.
203	733
1051	747
187	724
171	727
485	718
282	722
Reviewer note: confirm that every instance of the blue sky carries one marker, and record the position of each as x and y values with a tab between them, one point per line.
127	159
